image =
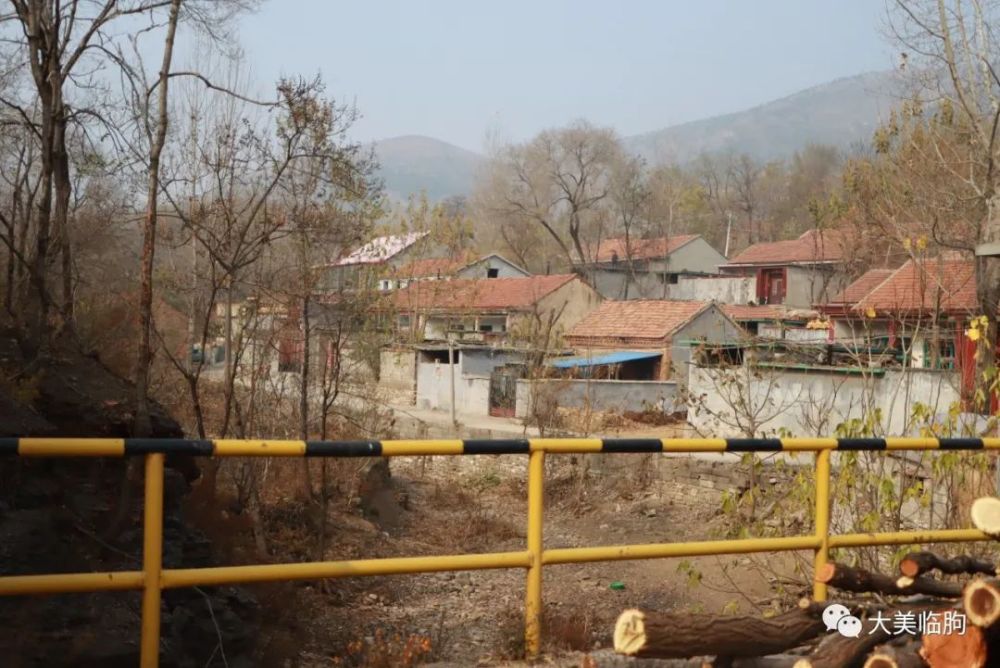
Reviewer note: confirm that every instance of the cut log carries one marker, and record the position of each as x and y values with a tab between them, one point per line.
862	581
955	650
837	651
669	635
981	600
985	513
916	564
904	655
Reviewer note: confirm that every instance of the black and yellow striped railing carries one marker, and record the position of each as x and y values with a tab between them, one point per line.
153	578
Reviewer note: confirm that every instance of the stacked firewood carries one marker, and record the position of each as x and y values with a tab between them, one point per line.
938	612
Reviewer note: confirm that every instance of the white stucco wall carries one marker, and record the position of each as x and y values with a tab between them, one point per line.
434	389
813	403
725	290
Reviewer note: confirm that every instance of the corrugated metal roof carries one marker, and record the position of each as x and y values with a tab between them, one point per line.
603	359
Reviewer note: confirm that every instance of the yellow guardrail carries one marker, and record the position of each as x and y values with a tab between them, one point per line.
153	578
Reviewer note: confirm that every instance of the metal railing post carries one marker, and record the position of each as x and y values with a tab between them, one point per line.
152	561
533	593
822	520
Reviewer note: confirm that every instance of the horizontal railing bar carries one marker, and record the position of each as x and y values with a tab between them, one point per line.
577	555
116	447
224	575
908	538
66	583
70	583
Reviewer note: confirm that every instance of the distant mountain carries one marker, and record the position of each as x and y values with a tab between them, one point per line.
413	163
842	113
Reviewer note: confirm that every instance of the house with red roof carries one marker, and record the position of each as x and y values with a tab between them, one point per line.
794	272
491	309
918	312
470	266
637	268
664	330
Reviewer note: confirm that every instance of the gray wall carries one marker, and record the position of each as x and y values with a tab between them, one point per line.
600	395
482	362
504	269
808	286
711	326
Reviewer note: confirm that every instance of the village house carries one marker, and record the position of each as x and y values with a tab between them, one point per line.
621	268
372	265
796	272
651	339
492	265
496	310
920	311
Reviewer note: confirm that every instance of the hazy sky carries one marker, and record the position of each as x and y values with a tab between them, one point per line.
458	70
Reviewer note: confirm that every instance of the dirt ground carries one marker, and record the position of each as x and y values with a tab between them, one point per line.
451	505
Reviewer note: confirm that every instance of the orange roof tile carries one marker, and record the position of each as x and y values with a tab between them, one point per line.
937	284
432	267
813	246
652	320
860	288
639	249
482	294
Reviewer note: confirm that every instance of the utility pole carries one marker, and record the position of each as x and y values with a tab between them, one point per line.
729	231
451	379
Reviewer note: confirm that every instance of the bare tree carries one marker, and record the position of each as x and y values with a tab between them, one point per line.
559	181
951	50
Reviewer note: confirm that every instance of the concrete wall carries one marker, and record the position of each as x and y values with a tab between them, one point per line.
482	362
724	290
434	391
600	395
813	285
573	301
397	372
712	326
813	403
695	257
504	269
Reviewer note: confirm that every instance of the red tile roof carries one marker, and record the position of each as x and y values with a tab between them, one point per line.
946	284
639	249
480	294
860	288
813	246
647	320
432	267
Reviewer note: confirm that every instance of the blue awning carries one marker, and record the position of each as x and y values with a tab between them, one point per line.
602	359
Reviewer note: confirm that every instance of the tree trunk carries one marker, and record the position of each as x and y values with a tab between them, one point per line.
142	427
916	564
643	633
981	600
904	655
955	650
861	581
